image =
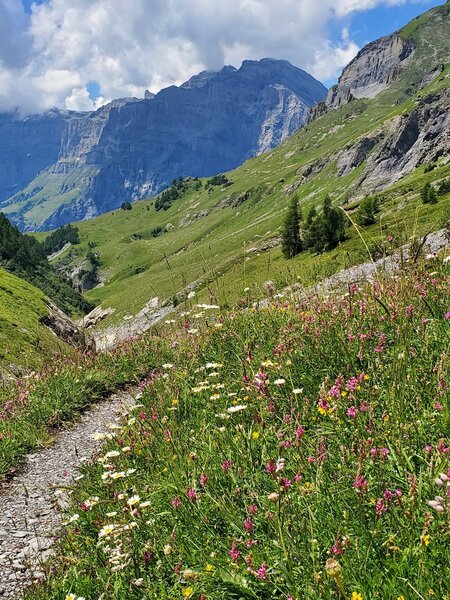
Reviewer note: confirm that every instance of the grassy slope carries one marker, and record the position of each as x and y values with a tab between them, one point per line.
349	392
139	269
24	342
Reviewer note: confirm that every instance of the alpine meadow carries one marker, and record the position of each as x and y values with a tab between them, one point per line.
224	308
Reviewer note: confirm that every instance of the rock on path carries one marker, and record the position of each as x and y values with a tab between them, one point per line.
30	513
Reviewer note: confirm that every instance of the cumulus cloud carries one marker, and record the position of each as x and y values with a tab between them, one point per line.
48	57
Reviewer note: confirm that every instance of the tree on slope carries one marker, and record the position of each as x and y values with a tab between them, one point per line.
291	240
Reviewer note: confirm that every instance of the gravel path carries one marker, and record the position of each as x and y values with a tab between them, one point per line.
30	513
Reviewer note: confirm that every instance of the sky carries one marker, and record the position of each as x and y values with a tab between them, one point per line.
80	54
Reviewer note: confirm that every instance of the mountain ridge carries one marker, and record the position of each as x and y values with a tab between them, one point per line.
132	148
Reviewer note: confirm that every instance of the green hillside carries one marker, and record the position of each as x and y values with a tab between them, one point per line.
24	342
206	234
298	451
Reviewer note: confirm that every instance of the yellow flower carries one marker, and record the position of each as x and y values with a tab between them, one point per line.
187	592
209	568
356	596
401	598
255	435
425	539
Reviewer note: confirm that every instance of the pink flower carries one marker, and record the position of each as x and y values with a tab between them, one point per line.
191	494
252	509
203	479
226	465
271	467
360	483
352	412
234	553
299	433
248	524
380	507
438	406
176	503
261	573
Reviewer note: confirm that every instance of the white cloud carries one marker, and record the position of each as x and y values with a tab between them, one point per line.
48	58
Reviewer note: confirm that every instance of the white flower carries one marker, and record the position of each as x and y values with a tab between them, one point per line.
191	295
167	366
126	449
280	465
133	500
233	409
73	518
192	331
117	475
145	504
279	381
112	454
99	436
297	391
111	514
106	530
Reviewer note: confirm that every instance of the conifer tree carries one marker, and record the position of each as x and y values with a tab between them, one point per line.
291	240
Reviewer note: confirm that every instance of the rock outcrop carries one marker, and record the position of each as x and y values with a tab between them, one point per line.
65	329
131	148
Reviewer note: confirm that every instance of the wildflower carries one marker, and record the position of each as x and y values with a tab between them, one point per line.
261	573
279	465
248	524
239	407
167	366
226	465
203	479
187	592
356	596
352	412
234	553
279	382
133	500
425	539
255	435
273	497
189	574
106	530
167	549
191	494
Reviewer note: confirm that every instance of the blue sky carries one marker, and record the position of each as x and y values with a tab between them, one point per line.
82	53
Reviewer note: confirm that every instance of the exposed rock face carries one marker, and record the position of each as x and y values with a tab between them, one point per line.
410	140
133	148
64	328
27	146
371	71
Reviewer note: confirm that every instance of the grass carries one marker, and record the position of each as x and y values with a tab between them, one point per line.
32	407
25	344
214	246
287	452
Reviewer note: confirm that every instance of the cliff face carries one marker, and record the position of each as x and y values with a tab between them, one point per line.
134	148
371	71
413	55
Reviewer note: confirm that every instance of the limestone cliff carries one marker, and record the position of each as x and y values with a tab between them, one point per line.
133	148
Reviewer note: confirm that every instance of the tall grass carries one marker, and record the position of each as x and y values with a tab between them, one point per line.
287	452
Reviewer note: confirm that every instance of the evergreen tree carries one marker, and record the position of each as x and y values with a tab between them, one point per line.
291	240
368	208
428	194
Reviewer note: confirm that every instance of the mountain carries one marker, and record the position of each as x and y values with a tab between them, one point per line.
65	166
219	239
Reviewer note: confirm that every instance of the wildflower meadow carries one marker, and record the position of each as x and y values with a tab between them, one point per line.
297	450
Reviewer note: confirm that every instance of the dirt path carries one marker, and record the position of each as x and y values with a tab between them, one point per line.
30	512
